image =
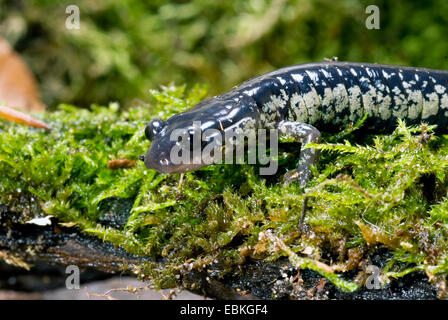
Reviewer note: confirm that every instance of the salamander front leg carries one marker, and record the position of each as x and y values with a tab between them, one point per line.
305	134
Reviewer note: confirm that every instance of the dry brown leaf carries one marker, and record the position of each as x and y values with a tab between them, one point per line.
18	88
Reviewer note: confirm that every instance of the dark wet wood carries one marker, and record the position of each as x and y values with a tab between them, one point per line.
29	244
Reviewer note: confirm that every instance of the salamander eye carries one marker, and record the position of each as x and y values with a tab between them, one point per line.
153	128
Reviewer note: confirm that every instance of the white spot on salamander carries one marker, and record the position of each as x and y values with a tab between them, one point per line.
252	91
387	75
384	106
284	95
444	101
339	71
380	87
430	105
368	100
313	75
341	97
282	81
415	99
369	72
355	102
297	77
326	73
439	89
312	102
396	90
273	106
298	110
406	85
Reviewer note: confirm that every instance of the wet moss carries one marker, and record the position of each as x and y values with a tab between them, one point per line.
389	191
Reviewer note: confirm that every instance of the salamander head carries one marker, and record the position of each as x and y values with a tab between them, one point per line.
189	131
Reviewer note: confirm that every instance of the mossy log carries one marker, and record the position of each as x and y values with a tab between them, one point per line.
23	245
26	244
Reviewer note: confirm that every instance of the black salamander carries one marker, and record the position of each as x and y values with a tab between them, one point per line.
299	100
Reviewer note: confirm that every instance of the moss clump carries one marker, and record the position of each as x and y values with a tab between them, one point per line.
390	191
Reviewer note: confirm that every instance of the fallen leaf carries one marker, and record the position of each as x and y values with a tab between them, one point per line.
18	88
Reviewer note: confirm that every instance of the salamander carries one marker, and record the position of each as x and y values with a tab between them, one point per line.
300	100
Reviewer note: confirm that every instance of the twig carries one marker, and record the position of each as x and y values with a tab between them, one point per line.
108	292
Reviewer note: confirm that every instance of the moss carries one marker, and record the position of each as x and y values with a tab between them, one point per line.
389	191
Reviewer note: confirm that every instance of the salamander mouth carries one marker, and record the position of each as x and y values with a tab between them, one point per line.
161	162
171	168
185	168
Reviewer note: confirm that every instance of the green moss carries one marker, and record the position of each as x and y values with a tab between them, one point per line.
390	191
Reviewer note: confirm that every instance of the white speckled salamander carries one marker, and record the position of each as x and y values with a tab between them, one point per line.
299	99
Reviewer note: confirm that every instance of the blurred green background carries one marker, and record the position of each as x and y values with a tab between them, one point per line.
125	48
